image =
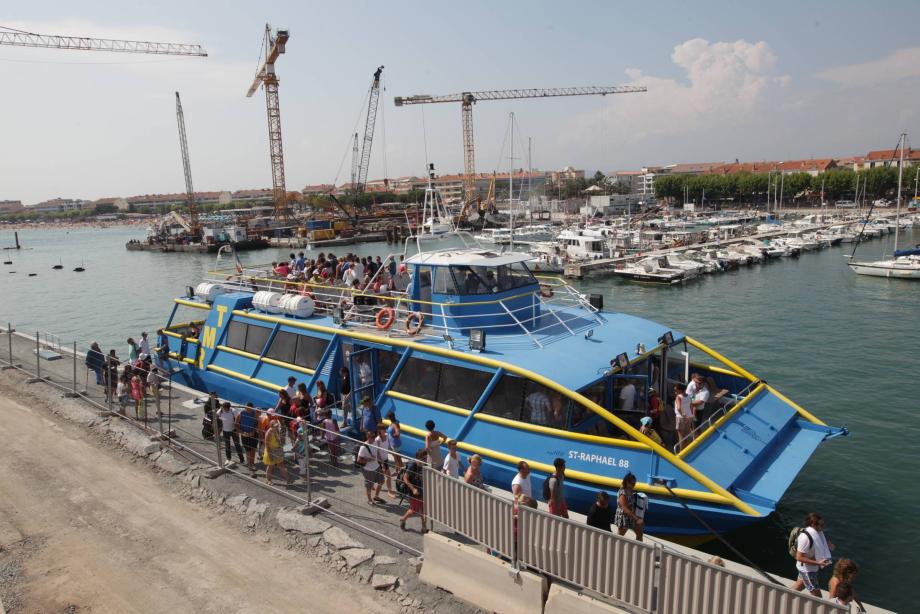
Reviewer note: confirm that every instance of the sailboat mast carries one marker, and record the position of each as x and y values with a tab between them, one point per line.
897	215
511	184
529	181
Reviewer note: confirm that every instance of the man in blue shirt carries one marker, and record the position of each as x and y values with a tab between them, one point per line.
300	263
369	416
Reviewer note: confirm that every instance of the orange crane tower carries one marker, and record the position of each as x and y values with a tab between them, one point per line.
468	99
268	79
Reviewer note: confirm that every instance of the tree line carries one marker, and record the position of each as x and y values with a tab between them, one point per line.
836	184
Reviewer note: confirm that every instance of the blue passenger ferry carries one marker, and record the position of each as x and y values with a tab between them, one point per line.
513	366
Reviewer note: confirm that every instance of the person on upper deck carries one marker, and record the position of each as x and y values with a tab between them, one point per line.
402	279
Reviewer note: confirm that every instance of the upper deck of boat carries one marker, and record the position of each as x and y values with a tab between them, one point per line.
566	339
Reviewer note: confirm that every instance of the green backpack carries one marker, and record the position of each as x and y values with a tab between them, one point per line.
793	542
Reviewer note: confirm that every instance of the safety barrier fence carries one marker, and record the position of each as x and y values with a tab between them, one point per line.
642	576
176	429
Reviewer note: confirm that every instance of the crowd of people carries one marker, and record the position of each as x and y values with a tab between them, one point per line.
362	273
135	379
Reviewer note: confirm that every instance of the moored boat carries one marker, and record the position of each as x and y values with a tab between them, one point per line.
514	367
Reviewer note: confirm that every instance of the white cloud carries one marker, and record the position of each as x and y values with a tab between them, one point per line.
901	64
724	82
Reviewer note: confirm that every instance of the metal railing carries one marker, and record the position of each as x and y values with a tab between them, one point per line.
480	516
691	586
566	310
600	561
715	416
642	576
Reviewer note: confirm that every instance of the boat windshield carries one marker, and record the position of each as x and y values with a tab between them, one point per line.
488	279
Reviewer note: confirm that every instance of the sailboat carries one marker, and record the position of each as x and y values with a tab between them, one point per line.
899	266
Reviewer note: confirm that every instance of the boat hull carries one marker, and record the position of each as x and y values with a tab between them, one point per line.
890	272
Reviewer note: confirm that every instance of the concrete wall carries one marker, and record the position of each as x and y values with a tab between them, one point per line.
485	581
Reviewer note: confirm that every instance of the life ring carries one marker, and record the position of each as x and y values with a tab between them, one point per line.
385	318
414	323
546	291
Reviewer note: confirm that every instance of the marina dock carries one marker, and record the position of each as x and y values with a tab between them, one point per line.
578	269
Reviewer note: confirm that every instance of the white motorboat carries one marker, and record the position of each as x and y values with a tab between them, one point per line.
649	270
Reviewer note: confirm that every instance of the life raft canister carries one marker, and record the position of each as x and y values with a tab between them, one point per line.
385	318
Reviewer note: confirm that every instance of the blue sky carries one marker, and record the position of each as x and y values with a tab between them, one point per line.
777	80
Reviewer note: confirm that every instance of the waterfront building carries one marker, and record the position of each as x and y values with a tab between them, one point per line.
10	206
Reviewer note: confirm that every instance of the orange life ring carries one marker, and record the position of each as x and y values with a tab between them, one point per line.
385	318
546	291
414	322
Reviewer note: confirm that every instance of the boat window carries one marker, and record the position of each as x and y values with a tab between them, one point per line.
507	398
544	406
236	335
283	347
474	280
256	338
386	362
596	393
419	378
462	387
444	281
514	275
310	351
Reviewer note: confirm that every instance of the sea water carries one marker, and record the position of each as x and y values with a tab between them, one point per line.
844	346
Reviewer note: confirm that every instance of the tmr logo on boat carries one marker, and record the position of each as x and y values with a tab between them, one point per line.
598	459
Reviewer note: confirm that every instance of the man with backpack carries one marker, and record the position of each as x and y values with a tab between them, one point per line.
811	551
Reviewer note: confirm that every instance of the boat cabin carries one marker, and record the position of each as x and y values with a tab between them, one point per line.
464	289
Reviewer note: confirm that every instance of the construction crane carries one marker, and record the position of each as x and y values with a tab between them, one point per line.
21	38
368	133
194	225
268	79
468	99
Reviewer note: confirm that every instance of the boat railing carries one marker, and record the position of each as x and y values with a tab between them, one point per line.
650	576
715	416
559	309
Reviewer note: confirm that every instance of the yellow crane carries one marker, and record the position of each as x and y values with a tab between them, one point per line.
268	79
468	99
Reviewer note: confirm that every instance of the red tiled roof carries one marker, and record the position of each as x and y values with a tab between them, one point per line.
884	155
694	167
820	165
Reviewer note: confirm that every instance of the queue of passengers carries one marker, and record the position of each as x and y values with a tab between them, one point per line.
136	379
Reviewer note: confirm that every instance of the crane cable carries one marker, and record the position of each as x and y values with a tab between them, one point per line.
348	145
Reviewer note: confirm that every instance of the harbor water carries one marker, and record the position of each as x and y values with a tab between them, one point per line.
841	345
